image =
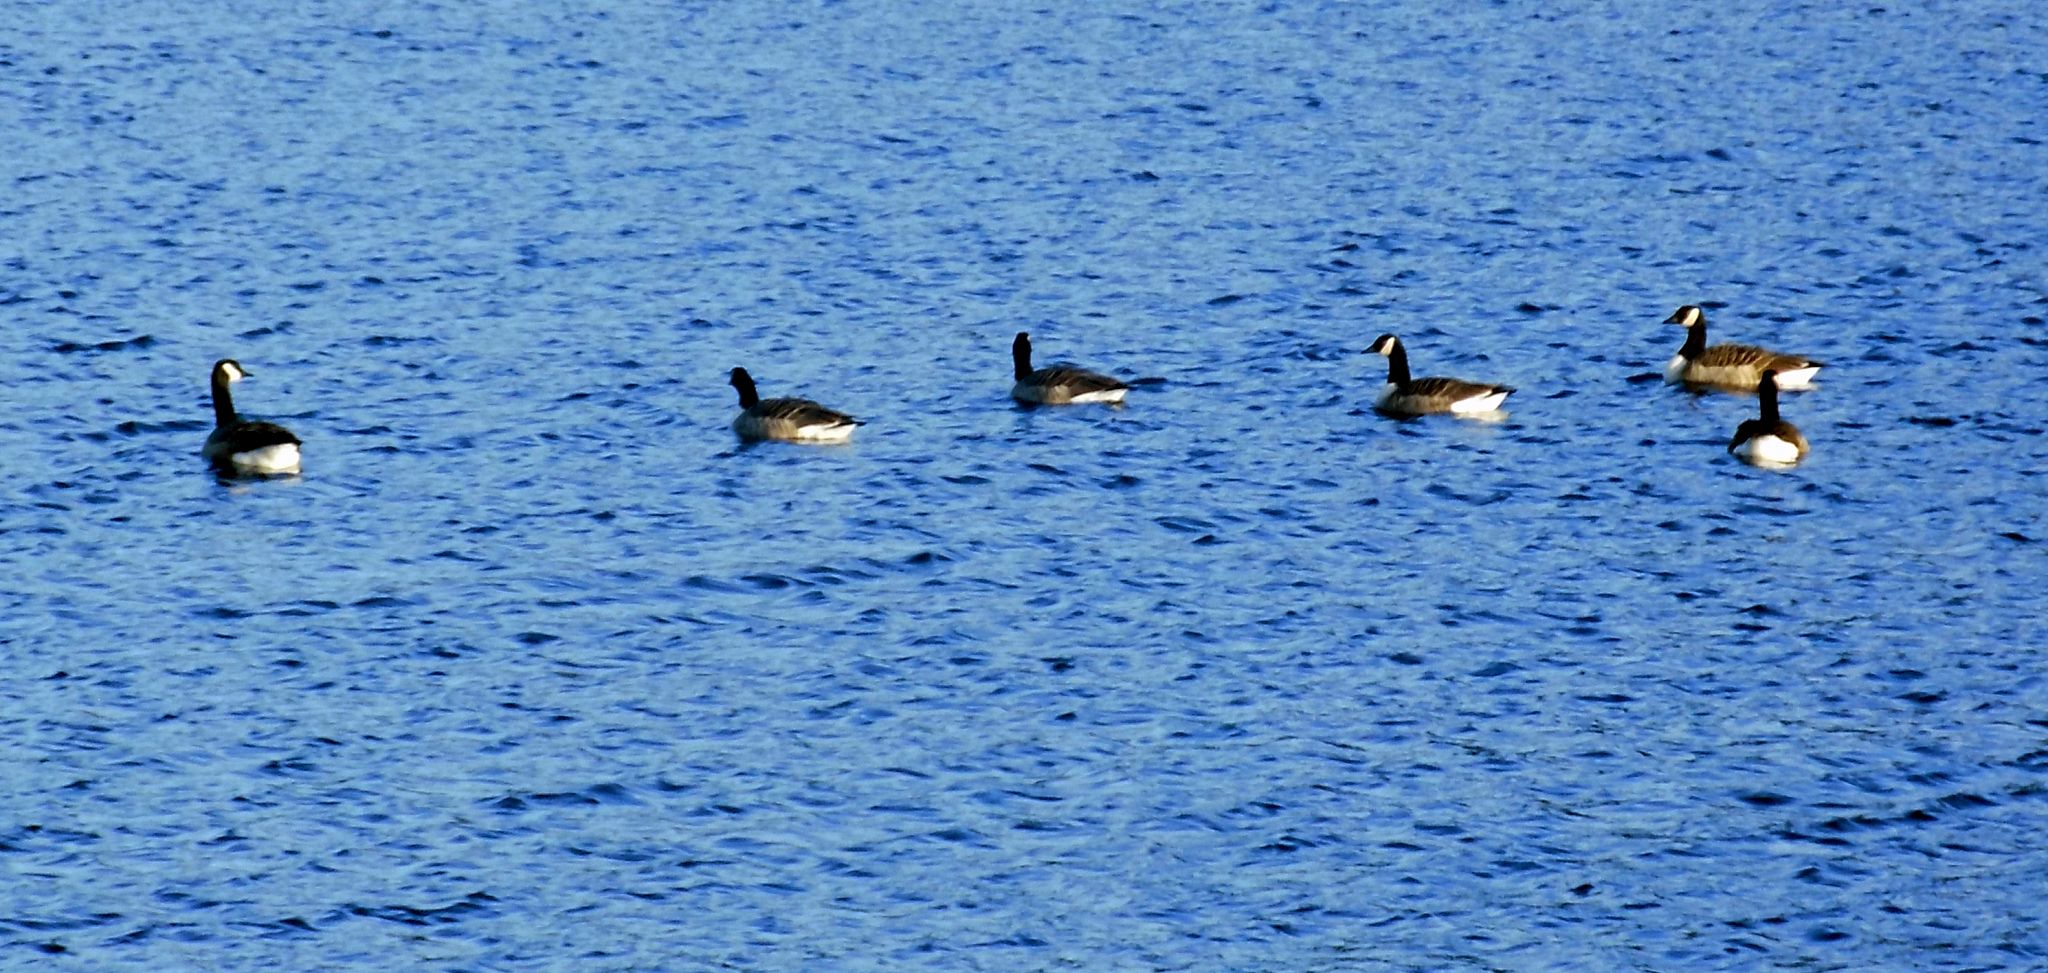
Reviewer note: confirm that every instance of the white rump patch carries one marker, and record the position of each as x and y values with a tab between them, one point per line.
1797	378
1767	451
837	432
281	458
1479	403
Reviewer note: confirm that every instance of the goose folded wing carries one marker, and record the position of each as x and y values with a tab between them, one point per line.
1080	381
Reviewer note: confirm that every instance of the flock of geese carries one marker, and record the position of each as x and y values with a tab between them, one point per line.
246	446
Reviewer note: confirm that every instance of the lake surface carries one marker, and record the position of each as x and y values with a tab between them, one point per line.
536	668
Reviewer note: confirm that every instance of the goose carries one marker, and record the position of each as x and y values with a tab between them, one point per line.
1058	384
1729	366
1405	396
1768	440
792	420
240	445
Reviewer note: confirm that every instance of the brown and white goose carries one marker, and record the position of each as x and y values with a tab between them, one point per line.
790	420
1768	440
1405	396
240	445
1730	365
1058	384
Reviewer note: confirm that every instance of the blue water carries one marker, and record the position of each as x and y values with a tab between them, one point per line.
536	668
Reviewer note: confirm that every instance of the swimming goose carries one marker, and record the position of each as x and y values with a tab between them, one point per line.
1729	366
1405	396
1768	440
793	420
240	445
1058	384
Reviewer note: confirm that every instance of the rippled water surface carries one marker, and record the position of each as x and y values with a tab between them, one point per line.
536	668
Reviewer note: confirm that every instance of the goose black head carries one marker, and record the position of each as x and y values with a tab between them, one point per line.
1687	316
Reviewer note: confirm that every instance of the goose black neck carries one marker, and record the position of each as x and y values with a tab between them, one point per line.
1767	399
223	403
1020	355
1695	339
1397	365
745	384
